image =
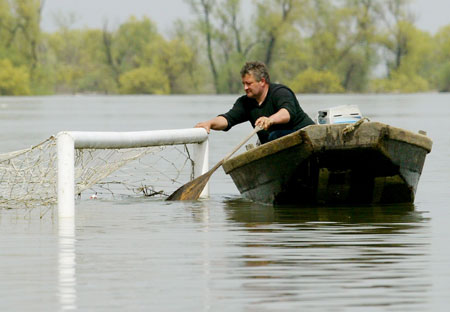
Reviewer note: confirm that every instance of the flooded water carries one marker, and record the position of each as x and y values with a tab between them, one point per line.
225	253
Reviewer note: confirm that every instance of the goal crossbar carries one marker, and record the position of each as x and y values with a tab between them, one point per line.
68	141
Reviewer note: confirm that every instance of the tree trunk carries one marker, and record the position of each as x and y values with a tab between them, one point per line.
208	33
286	7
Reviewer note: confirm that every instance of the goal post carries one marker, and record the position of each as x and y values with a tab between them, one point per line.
69	141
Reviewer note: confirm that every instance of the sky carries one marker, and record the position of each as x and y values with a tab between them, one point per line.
431	14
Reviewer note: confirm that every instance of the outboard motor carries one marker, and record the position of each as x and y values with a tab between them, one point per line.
339	115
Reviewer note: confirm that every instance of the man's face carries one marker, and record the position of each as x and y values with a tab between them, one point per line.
253	88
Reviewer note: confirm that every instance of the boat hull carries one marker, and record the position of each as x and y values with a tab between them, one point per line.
333	164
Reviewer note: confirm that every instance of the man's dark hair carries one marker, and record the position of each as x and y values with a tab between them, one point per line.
257	69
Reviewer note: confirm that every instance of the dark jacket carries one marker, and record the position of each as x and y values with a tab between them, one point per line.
278	96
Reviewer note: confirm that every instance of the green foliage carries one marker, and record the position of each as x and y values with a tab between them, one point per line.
25	32
173	58
442	56
130	43
13	80
419	47
99	80
293	58
313	81
79	62
5	22
444	78
401	83
42	82
229	78
314	46
275	20
144	80
411	63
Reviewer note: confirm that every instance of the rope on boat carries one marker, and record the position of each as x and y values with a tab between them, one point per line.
351	127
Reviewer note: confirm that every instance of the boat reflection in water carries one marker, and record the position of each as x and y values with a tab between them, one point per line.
360	255
245	211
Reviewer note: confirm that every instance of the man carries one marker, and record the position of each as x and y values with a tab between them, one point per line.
273	107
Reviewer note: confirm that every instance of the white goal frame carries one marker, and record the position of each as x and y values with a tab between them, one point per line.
68	141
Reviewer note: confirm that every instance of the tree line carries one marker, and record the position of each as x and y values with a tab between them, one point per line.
313	46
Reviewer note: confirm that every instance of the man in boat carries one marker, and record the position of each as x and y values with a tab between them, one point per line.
273	107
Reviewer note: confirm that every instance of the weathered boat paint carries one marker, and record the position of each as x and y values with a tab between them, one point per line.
321	164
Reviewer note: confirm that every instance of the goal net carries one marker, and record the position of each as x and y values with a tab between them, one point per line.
117	165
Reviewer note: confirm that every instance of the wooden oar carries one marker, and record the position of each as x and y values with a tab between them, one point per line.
193	189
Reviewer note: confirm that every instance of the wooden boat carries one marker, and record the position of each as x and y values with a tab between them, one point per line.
361	163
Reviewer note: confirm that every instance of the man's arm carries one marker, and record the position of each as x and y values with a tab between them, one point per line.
280	117
217	123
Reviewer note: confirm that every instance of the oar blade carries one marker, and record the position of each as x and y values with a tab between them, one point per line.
192	189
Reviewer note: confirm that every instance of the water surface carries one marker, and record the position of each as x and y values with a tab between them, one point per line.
224	253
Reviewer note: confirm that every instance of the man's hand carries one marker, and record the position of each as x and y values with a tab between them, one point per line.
217	123
280	117
206	125
264	122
